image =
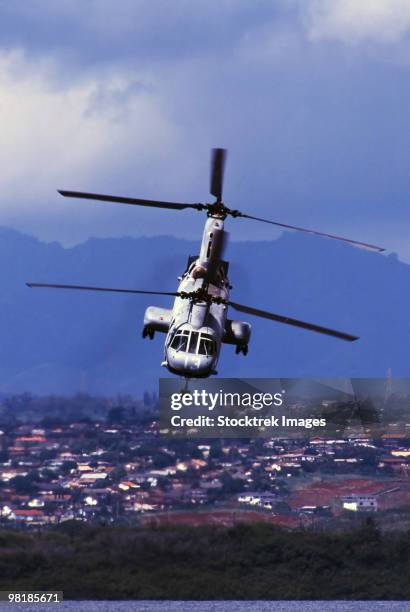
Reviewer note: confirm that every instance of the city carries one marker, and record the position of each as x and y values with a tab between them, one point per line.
104	461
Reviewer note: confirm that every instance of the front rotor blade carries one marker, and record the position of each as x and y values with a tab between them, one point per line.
371	247
288	321
86	288
135	201
217	172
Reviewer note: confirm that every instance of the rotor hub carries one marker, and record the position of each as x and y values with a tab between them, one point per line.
217	210
202	295
220	211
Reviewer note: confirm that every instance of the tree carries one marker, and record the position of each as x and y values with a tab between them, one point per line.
231	485
23	484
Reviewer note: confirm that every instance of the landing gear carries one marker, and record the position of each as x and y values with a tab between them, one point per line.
241	348
147	331
185	388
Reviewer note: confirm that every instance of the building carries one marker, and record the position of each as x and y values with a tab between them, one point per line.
359	503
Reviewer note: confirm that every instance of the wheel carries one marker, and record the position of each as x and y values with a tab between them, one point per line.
241	348
151	334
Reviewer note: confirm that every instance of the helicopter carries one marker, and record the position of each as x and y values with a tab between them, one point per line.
197	325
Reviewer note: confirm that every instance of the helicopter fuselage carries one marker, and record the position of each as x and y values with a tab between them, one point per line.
198	325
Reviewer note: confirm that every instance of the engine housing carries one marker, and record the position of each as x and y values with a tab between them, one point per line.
157	319
237	332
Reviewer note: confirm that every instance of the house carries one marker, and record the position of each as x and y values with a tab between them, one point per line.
88	477
359	503
33	517
253	498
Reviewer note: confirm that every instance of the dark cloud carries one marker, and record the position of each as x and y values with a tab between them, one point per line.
96	31
317	129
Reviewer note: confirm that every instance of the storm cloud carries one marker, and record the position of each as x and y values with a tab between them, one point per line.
310	97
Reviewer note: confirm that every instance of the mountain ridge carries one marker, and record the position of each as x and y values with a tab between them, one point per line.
64	342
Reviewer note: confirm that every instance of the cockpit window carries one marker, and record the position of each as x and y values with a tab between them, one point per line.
193	342
180	341
206	346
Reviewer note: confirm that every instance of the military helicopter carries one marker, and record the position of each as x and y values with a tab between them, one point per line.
197	325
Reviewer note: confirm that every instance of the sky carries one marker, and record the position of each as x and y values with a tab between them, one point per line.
310	97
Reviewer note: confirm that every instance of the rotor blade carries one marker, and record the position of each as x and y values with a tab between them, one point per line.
135	201
217	172
280	319
371	247
86	288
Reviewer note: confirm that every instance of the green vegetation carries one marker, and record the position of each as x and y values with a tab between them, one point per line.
255	561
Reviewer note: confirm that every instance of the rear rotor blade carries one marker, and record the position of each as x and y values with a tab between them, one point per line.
217	172
87	288
288	321
366	245
135	201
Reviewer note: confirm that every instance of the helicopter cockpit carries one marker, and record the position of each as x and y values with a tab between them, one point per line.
194	342
192	351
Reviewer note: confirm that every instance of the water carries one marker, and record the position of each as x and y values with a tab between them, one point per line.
214	606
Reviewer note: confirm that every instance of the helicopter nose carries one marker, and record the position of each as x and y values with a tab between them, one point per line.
187	364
